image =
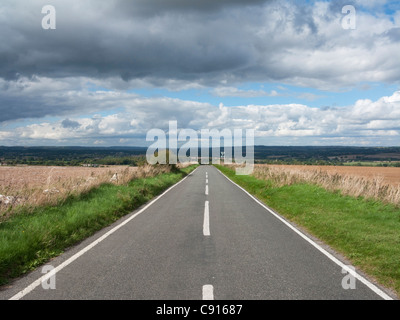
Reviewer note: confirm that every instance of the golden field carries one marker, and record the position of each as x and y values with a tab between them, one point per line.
388	175
38	185
17	178
380	183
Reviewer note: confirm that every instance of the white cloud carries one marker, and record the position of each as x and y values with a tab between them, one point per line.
365	118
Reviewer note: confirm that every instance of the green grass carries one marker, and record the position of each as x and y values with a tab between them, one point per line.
366	232
30	238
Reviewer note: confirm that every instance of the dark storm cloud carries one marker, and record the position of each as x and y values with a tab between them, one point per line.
177	43
36	97
161	6
202	41
174	39
12	108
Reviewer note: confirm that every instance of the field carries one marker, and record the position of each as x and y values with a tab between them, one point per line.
40	185
43	177
388	175
379	183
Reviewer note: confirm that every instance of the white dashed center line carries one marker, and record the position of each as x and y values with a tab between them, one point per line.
206	224
208	292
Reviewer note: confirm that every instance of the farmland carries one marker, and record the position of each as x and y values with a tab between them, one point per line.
388	175
378	183
44	177
133	156
41	185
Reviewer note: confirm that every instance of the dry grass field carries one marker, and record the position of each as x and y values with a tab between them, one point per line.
38	185
20	177
389	175
380	183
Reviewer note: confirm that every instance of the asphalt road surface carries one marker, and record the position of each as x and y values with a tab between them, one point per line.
205	238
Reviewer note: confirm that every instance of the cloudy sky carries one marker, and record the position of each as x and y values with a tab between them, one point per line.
297	72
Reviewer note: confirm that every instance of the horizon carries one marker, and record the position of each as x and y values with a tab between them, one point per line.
255	145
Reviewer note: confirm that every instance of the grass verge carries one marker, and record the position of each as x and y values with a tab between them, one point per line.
364	231
31	237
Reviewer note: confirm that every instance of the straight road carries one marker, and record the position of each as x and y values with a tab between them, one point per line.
203	239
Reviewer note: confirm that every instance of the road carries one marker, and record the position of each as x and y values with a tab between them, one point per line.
205	238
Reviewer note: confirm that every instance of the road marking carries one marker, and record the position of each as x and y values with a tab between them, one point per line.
359	277
206	180
206	223
208	292
206	190
44	278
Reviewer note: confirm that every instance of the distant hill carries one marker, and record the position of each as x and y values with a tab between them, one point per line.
70	155
328	153
134	155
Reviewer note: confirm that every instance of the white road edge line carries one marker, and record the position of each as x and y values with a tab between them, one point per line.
208	292
39	281
206	223
359	277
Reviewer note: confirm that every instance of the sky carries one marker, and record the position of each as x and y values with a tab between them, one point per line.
109	71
